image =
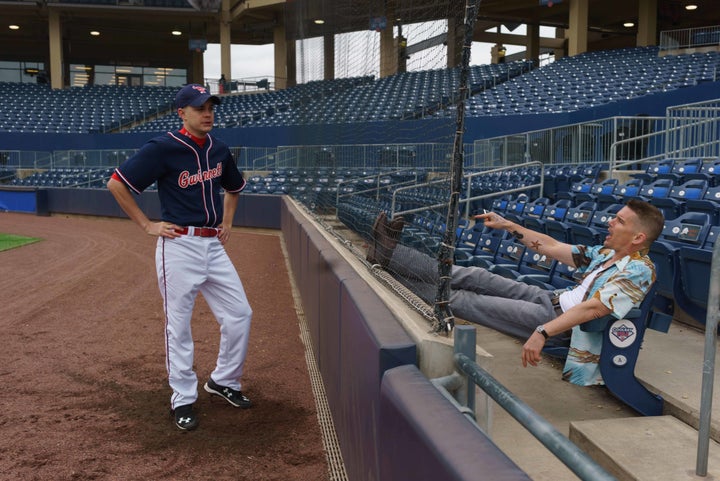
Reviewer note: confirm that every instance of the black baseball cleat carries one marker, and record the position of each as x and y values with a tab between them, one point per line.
234	397
185	418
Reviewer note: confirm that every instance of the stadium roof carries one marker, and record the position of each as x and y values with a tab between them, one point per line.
133	32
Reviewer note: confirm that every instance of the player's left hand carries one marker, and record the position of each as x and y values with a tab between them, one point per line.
224	234
531	349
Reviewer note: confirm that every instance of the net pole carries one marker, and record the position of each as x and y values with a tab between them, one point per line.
444	319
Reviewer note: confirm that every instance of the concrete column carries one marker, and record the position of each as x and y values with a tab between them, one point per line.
532	50
329	56
388	51
578	21
197	68
57	80
560	52
225	51
280	47
291	62
647	23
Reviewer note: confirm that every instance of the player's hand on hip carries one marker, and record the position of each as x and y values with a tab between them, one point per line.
163	229
224	234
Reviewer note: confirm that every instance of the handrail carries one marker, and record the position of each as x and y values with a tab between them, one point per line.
468	198
586	468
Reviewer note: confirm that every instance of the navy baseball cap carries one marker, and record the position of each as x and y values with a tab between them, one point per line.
194	95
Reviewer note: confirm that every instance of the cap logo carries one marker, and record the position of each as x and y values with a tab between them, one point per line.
200	89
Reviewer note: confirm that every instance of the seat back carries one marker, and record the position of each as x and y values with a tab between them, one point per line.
657	189
695	265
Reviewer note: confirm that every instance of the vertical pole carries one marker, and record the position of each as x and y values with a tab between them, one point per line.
711	337
444	320
465	341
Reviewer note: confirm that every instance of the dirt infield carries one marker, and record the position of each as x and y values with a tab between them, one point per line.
85	393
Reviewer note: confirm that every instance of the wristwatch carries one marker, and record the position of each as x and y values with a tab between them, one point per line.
541	330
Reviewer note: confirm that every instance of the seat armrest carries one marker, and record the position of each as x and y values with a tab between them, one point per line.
600	323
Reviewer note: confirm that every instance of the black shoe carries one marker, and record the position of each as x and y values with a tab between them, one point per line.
236	398
185	418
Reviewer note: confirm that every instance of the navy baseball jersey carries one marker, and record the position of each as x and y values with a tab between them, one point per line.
189	177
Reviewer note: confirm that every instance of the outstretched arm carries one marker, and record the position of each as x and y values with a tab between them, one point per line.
129	205
538	242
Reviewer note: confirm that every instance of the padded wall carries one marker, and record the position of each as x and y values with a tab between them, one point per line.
261	211
421	439
355	336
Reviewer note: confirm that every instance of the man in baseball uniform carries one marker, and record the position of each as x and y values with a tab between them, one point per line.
190	168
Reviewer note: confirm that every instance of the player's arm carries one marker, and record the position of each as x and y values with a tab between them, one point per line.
587	310
229	206
129	205
540	243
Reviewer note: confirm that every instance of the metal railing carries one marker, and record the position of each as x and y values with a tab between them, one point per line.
579	462
689	38
584	142
693	130
468	190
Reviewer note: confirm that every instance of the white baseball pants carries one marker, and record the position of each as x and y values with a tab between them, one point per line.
185	266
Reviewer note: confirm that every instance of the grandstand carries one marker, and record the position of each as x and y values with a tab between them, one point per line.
558	147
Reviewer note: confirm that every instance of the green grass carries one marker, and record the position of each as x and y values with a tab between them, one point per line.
9	241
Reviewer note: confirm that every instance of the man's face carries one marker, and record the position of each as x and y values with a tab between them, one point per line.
623	229
198	120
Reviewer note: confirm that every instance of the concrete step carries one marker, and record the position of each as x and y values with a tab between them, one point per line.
658	448
672	365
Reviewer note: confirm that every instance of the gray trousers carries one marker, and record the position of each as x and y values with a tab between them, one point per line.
477	295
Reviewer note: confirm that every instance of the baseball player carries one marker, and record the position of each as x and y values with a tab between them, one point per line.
190	168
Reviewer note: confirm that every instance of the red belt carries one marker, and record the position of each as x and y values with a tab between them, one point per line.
199	231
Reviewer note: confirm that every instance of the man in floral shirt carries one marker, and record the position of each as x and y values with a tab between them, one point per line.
616	277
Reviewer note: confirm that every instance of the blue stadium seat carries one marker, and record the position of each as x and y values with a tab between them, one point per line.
508	258
709	204
656	169
674	204
595	231
621	193
689	230
694	264
622	341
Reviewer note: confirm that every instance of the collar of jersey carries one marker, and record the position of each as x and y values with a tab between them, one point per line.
198	140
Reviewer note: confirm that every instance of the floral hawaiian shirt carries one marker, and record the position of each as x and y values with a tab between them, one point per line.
620	287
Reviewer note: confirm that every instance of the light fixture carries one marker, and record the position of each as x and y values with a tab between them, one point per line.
176	32
319	21
14	27
628	24
94	33
690	6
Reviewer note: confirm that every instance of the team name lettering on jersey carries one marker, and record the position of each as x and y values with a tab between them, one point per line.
186	179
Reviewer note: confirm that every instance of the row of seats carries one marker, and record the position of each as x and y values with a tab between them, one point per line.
26	107
66	177
594	78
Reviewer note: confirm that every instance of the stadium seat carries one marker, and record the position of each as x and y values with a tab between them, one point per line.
595	231
620	194
655	170
674	203
689	230
508	258
622	341
695	272
709	204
